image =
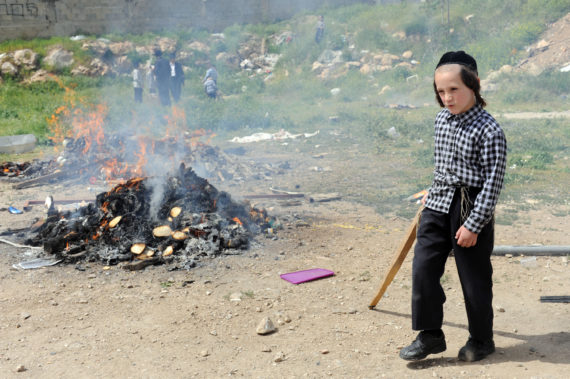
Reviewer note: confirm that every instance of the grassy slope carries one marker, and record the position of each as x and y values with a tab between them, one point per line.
295	99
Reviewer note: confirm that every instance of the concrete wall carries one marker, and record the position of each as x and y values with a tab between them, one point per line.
46	18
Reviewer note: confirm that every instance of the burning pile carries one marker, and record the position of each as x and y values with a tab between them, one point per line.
13	169
176	219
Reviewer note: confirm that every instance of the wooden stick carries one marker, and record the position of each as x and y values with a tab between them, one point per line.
398	258
39	180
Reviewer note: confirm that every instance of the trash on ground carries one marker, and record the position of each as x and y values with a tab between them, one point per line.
306	275
15	211
280	135
36	263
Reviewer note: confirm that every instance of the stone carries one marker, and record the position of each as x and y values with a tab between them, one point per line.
330	56
26	58
59	58
365	69
353	65
335	91
9	69
21	368
199	46
38	76
265	327
228	59
407	54
121	48
279	357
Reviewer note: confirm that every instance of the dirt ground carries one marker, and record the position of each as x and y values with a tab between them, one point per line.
88	320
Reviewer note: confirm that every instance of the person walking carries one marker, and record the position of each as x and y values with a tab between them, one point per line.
176	78
470	151
162	77
137	82
320	29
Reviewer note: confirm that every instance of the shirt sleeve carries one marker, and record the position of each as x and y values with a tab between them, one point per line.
493	161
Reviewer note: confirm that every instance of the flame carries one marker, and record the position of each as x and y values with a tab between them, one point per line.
238	221
141	155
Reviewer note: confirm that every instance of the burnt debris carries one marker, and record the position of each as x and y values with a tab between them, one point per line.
177	219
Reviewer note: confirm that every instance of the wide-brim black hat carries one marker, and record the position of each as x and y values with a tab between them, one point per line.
458	57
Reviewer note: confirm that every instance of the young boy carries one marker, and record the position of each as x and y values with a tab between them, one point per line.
470	158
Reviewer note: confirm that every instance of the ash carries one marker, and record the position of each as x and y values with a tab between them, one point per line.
190	221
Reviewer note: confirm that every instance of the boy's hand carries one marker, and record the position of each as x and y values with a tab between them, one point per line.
465	238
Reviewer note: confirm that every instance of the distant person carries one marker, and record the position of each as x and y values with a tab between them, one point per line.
470	154
210	87
212	73
176	78
138	82
151	79
320	29
162	76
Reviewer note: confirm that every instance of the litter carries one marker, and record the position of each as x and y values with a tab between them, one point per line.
280	135
35	263
15	211
306	275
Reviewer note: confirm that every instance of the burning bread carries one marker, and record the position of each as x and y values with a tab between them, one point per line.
162	231
138	248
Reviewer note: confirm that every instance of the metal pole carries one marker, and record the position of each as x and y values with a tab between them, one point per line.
532	250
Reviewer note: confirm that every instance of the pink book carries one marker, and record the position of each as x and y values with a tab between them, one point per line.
306	275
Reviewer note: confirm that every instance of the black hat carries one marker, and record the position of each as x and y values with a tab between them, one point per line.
157	52
458	57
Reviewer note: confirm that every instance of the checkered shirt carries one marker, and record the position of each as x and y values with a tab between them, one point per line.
470	150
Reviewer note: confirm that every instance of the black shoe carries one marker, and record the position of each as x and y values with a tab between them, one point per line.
425	344
476	350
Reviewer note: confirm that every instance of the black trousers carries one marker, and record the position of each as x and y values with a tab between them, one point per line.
138	95
435	240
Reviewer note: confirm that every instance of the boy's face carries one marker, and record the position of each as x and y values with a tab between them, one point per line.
454	94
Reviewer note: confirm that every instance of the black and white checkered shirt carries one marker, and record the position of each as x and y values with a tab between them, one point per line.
470	150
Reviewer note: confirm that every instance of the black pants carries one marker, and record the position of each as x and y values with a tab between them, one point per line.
435	240
164	93
175	89
138	95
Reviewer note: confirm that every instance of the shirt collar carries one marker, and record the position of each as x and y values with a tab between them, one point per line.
469	114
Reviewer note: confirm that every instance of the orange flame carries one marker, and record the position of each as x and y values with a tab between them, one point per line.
238	221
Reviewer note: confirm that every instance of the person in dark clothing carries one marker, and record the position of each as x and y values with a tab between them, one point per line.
320	29
470	152
176	78
162	75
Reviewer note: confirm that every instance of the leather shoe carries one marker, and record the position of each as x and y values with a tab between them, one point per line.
424	345
476	350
